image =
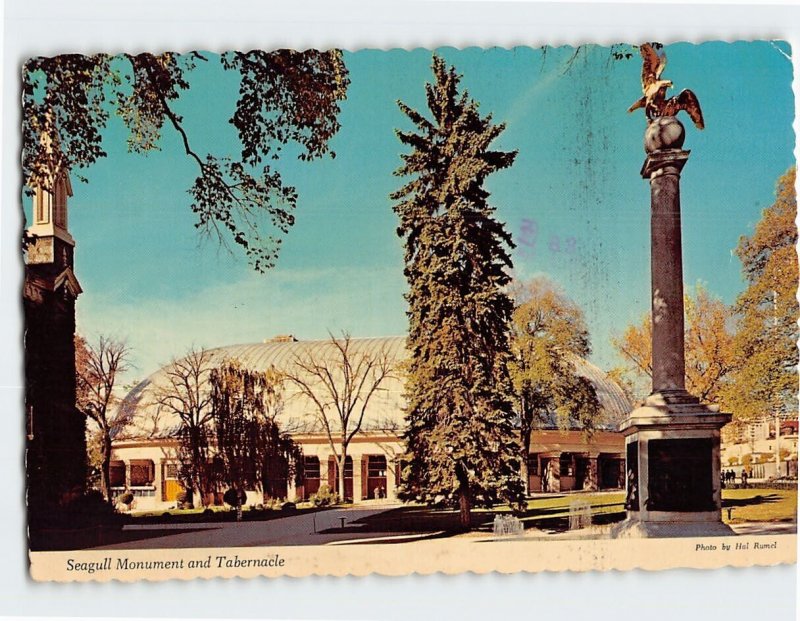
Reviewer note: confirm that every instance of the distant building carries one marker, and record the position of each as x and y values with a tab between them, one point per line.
56	446
145	452
753	446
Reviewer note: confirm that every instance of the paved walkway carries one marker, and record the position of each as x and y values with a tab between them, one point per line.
764	528
302	529
325	527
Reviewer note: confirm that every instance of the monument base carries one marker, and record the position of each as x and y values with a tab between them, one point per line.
633	528
673	468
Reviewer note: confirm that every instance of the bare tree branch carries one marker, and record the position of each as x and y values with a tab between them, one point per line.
342	381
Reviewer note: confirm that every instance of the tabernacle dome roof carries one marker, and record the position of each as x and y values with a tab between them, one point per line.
147	419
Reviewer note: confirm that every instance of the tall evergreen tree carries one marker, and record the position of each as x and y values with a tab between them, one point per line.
460	433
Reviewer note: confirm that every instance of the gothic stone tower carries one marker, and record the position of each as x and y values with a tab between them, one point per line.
56	443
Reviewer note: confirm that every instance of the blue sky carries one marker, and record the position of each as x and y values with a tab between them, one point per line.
573	200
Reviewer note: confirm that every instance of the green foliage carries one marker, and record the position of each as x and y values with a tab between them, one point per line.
285	97
234	497
460	433
548	333
765	378
325	497
253	452
94	458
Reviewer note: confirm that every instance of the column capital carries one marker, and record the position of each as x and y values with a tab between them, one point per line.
664	162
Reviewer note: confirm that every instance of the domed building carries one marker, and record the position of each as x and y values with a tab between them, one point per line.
145	457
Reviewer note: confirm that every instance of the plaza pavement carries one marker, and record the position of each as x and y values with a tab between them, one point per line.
325	527
299	529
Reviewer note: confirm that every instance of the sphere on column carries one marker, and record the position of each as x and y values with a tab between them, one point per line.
664	132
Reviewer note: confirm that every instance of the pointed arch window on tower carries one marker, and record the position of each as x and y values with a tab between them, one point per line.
60	204
41	206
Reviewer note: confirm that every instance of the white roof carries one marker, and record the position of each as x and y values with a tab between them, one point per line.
146	419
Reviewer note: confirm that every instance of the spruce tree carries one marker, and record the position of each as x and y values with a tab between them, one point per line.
460	434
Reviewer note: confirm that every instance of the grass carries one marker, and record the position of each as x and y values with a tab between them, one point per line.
218	514
759	505
550	514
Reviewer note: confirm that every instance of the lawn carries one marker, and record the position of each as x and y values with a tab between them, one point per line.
550	514
759	505
213	514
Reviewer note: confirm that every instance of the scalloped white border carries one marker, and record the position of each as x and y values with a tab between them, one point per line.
37	26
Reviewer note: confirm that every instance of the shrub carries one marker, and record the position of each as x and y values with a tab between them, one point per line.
234	497
126	498
324	497
92	497
288	506
91	509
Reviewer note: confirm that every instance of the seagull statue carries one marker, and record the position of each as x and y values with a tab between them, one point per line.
654	101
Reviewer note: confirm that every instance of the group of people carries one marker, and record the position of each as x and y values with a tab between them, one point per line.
729	477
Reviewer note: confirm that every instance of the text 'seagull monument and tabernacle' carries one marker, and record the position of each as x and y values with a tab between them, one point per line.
672	440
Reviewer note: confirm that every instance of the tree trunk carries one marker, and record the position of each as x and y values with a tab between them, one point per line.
340	466
105	467
525	448
464	505
197	468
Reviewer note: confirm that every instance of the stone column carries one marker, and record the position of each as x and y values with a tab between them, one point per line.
291	485
554	473
663	168
672	441
358	464
391	480
591	482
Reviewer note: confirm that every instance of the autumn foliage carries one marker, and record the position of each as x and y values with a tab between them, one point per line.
742	357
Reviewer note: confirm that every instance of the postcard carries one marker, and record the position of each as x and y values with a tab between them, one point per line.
330	312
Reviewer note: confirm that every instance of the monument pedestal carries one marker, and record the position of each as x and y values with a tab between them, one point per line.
673	468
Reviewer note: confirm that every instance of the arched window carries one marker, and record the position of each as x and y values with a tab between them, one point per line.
41	206
60	204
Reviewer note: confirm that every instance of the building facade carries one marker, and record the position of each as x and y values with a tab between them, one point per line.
753	447
145	456
56	446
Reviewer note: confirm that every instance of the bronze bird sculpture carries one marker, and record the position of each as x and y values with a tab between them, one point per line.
654	100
